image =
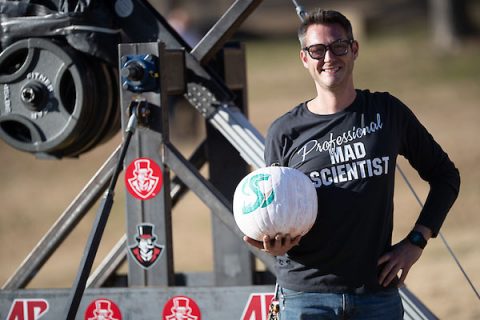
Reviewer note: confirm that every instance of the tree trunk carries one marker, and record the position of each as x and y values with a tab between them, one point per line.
449	21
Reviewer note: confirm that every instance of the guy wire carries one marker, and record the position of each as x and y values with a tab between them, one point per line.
300	10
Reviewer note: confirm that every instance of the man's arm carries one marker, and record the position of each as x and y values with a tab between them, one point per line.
434	166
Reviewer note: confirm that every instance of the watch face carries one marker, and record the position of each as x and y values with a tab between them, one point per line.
416	238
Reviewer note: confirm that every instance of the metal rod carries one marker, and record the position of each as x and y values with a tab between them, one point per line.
98	228
87	260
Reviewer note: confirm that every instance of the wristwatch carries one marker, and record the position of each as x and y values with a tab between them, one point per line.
416	238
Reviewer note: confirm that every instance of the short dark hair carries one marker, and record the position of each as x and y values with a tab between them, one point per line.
321	16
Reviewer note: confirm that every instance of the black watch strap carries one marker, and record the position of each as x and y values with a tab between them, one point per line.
417	238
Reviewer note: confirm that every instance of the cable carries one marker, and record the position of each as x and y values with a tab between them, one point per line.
300	11
441	235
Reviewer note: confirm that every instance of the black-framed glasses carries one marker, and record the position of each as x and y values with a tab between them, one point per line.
338	48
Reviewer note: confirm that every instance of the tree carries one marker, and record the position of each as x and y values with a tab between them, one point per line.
450	22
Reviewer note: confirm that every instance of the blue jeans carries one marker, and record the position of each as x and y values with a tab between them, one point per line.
384	305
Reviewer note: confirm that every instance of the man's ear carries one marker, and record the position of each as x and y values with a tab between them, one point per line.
355	48
304	58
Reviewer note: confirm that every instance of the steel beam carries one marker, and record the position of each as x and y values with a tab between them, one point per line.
148	142
223	30
211	197
77	209
109	265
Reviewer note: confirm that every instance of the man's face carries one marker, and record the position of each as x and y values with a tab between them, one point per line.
332	71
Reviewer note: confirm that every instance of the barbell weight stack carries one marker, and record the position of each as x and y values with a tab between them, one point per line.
104	118
55	101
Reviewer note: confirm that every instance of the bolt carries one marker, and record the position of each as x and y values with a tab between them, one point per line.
133	71
34	95
28	95
148	58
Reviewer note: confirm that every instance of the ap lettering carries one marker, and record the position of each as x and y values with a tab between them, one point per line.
28	309
257	306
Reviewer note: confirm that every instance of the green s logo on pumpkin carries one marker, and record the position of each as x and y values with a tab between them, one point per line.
263	199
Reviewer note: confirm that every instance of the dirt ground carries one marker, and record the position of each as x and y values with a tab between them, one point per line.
442	90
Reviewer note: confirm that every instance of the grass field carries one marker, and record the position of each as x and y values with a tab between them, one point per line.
442	89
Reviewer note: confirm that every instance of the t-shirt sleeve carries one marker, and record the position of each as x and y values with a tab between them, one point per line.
433	165
275	146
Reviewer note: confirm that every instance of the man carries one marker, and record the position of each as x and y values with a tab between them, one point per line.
347	141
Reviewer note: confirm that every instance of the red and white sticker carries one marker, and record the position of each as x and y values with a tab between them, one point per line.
103	309
27	309
181	307
257	306
143	178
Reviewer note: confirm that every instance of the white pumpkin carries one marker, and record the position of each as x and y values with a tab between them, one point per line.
275	200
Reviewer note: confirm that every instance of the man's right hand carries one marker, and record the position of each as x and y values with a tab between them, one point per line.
277	246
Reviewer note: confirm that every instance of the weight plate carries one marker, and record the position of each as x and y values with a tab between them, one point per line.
102	119
115	112
44	85
108	85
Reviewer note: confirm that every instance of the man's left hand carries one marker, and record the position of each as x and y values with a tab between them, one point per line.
402	257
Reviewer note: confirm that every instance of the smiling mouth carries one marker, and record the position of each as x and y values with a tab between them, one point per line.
331	70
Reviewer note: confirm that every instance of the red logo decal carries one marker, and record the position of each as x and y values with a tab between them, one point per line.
257	306
143	178
103	309
28	309
181	308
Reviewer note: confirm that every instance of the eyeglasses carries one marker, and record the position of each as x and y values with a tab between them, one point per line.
338	48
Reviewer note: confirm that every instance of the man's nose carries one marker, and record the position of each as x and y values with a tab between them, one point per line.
328	55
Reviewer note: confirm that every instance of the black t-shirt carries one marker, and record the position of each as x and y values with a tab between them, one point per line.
350	157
